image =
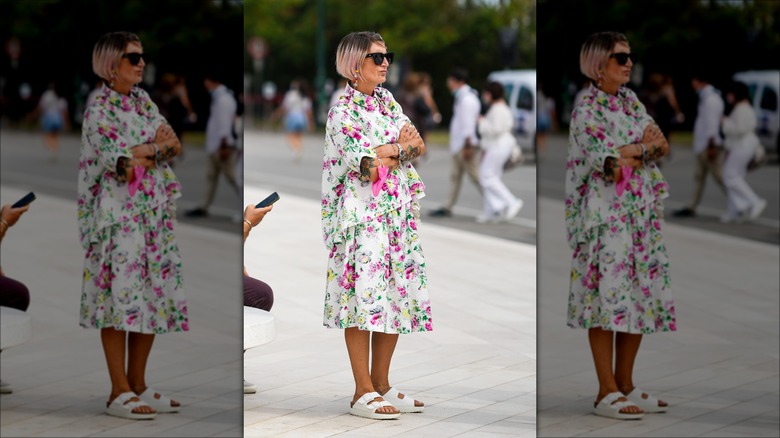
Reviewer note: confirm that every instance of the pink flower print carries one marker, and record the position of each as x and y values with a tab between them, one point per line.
348	277
428	326
185	326
376	319
646	291
402	291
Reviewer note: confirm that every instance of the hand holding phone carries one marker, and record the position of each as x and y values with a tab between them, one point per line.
273	197
28	198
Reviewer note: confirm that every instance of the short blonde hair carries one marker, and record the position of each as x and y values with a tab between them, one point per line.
352	50
108	52
595	52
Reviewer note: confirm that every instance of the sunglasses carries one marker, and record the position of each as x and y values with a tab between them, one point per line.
379	57
135	58
622	57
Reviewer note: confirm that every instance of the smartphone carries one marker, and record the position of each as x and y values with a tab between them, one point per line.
273	197
28	198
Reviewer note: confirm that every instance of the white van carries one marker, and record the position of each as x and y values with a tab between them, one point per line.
764	89
520	93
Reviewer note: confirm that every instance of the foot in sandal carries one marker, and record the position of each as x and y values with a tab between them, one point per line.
159	402
402	402
616	405
647	402
128	405
372	405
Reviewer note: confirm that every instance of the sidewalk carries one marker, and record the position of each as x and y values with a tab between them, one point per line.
59	377
476	371
719	372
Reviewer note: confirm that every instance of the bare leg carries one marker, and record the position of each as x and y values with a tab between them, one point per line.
382	347
601	348
139	345
626	349
114	349
358	348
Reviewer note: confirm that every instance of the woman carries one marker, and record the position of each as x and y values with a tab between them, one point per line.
614	194
13	293
257	293
741	143
495	129
298	116
376	280
132	286
54	117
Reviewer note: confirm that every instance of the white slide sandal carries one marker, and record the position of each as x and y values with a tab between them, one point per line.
649	404
122	407
162	405
366	406
609	407
405	405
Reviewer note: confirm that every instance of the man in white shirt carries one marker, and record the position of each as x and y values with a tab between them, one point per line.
220	142
707	142
464	146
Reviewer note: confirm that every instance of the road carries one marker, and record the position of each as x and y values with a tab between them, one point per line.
25	164
679	173
269	162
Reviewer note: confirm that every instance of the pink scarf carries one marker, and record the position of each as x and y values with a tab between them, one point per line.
376	186
621	186
139	172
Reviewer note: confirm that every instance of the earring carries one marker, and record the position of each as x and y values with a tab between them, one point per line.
598	83
356	77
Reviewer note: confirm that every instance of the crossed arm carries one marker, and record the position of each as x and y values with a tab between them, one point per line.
164	147
652	147
410	146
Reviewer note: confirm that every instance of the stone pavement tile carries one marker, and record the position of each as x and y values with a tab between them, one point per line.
481	352
59	376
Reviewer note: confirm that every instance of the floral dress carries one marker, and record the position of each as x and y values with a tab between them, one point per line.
376	278
132	277
620	268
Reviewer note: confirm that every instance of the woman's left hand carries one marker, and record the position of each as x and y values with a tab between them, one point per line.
386	151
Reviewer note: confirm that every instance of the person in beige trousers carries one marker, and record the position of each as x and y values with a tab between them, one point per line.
464	145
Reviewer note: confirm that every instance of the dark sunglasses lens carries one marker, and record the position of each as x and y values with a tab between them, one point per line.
622	58
379	58
389	56
135	58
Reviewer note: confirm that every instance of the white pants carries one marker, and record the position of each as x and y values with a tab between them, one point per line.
740	195
497	196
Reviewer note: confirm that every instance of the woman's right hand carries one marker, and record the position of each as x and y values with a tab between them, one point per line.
12	215
255	215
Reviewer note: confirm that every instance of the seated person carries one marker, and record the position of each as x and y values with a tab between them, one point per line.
257	293
12	292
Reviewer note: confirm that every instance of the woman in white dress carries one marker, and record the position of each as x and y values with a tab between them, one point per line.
741	143
495	128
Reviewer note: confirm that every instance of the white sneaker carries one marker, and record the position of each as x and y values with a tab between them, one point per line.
249	388
756	210
513	210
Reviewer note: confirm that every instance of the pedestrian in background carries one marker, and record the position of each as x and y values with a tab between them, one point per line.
707	142
497	141
53	110
132	283
741	142
13	293
620	287
298	115
370	216
464	145
220	142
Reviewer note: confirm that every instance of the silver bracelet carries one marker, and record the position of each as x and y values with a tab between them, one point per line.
644	151
156	152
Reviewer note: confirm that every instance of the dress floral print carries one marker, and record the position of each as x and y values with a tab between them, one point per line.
132	277
620	269
376	277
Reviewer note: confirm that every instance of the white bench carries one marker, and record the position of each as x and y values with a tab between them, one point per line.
16	327
259	327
